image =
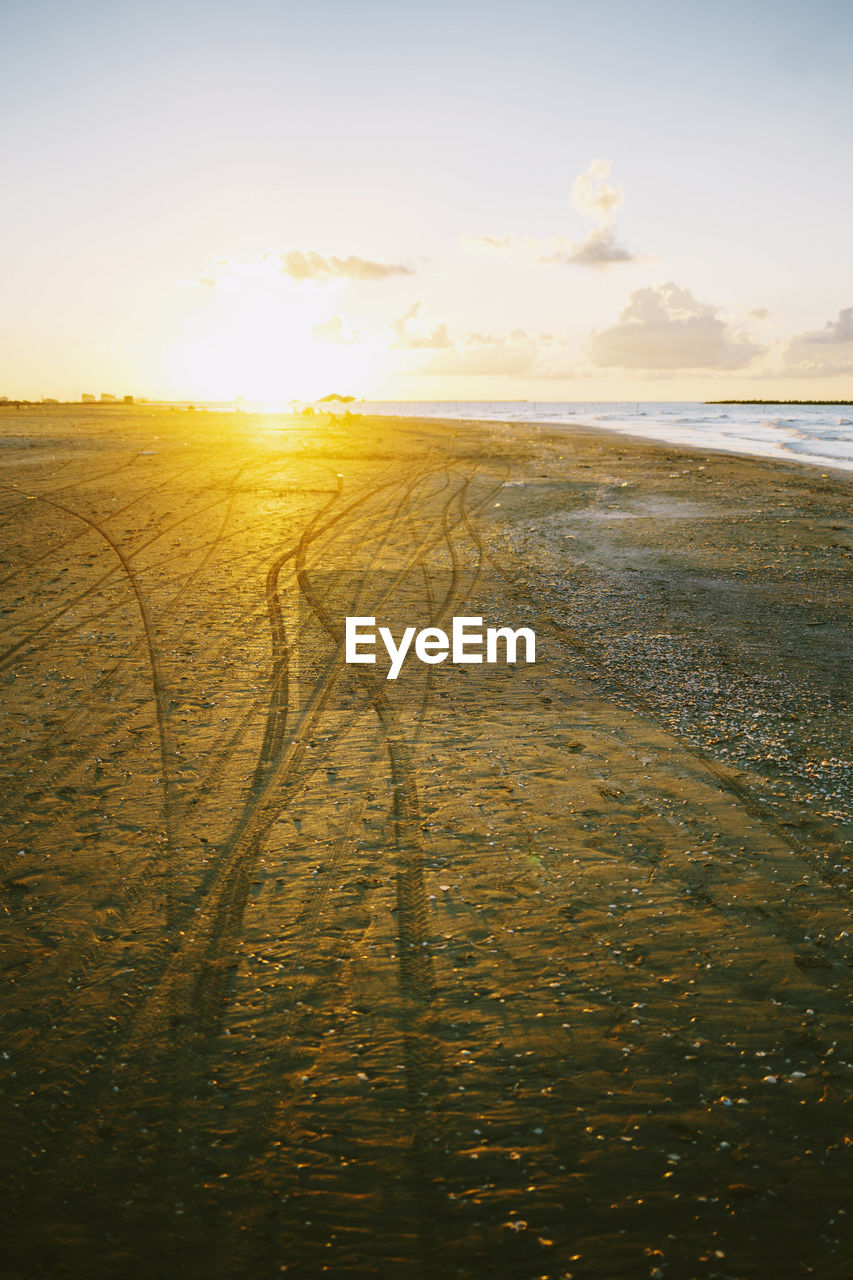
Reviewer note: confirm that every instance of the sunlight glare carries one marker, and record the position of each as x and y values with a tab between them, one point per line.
251	337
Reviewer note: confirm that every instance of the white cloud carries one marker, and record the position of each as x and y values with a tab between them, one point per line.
600	249
332	330
665	328
503	360
300	264
502	355
822	352
595	197
488	244
840	330
418	340
212	276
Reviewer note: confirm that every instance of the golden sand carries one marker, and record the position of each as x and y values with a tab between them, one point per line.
523	972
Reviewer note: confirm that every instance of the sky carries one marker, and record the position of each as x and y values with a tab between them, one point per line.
540	199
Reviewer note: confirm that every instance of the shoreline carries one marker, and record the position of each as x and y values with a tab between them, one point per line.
319	414
842	472
845	468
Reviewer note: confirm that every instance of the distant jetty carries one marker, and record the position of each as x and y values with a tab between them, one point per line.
847	403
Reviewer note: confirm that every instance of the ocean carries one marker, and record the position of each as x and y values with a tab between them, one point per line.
821	435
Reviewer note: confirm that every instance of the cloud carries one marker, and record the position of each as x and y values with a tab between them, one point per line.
600	249
332	330
501	355
822	352
420	340
666	328
833	332
496	360
301	264
213	275
593	196
488	244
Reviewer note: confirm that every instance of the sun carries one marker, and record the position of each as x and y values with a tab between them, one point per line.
266	341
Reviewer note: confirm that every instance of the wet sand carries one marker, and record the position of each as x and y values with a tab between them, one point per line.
520	972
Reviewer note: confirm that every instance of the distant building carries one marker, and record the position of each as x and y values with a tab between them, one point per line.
128	400
106	398
86	398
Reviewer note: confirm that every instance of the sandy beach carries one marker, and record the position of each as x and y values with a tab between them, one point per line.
532	972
